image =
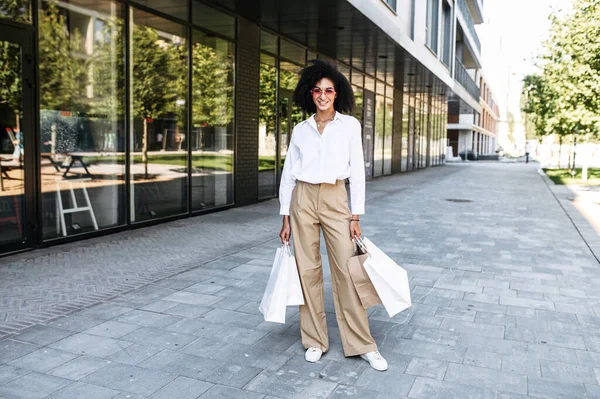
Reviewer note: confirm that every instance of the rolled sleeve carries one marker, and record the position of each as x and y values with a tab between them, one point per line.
357	171
288	182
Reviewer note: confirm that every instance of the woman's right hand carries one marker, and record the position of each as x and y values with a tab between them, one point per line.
285	230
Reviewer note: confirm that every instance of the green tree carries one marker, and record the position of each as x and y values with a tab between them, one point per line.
18	10
63	68
564	97
156	79
11	84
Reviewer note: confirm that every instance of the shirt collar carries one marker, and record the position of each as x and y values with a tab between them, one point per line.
311	121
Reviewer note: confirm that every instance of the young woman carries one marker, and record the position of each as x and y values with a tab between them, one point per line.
324	150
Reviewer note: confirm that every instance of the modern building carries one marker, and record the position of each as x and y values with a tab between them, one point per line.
117	114
472	132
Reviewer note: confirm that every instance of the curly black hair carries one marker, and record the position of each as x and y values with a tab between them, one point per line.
310	75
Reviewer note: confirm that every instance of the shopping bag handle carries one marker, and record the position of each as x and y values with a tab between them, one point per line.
361	244
286	248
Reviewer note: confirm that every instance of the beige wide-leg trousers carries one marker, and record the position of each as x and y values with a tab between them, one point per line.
316	206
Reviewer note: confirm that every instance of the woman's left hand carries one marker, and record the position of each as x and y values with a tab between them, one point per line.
355	231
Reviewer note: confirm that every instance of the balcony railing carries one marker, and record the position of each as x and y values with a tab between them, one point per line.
462	76
464	9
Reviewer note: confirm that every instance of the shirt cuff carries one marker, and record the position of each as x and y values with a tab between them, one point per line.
284	210
356	210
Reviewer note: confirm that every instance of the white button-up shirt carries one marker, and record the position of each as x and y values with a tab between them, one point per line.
317	158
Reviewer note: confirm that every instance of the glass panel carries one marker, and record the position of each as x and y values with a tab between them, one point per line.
411	137
369	84
404	156
267	133
268	42
289	113
357	78
175	8
159	109
379	136
17	10
82	123
358	99
417	159
212	121
387	145
213	20
292	52
345	70
12	155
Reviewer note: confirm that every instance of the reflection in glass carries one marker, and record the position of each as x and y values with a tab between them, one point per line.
417	154
213	20
212	122
82	123
12	155
16	10
267	134
379	135
387	145
404	156
289	113
358	99
159	109
411	136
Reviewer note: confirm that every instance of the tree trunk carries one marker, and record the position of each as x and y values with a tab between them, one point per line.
559	150
145	148
17	121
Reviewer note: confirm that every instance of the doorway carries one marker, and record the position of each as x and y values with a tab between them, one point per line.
18	216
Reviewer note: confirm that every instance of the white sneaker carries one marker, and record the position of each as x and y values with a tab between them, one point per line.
313	355
376	360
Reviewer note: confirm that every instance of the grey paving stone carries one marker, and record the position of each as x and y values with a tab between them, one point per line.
186	326
148	319
522	365
388	381
182	388
478	306
223	392
105	311
433	351
593	391
159	338
426	321
502	346
486	378
459	314
567	341
435	336
135	354
92	345
484	330
239	304
479	358
233	334
346	372
192	298
550	352
33	386
298	366
79	390
79	367
233	375
42	335
494	318
11	350
559	371
112	329
427	368
159	306
188	311
9	373
204	288
182	364
129	379
345	391
76	323
43	359
527	303
239	319
287	386
546	388
427	388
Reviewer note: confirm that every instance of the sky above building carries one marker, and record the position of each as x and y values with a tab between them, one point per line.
512	35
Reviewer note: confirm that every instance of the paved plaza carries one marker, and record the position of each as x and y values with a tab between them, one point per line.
505	282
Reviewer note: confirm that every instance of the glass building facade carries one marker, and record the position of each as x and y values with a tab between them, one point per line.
116	114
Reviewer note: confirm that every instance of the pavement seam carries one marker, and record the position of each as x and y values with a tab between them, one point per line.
540	171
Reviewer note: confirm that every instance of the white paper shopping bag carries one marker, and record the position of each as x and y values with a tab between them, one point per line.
389	279
283	288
